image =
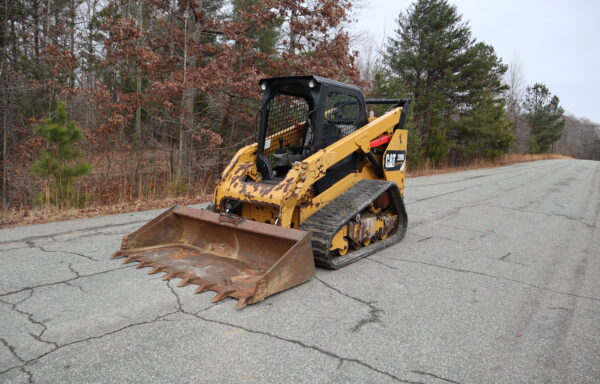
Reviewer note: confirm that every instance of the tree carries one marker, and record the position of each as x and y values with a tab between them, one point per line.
545	117
369	61
480	128
580	139
58	163
200	62
515	93
454	81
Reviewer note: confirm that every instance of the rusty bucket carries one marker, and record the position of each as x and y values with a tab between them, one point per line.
232	256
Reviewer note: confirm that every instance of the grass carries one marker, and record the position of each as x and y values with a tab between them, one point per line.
45	214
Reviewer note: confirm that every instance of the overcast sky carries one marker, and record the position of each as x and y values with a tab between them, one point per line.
557	42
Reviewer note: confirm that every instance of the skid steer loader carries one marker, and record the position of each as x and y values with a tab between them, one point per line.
323	184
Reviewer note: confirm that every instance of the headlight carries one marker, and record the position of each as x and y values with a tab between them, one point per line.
263	86
311	84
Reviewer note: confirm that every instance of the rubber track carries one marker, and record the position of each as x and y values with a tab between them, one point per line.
325	223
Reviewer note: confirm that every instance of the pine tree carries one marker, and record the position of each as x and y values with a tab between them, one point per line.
481	128
545	117
454	81
58	163
266	34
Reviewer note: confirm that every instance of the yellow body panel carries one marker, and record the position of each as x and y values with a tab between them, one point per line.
398	142
263	213
291	200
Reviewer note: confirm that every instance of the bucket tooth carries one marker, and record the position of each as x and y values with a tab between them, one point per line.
117	254
221	295
224	253
155	270
242	303
129	259
204	287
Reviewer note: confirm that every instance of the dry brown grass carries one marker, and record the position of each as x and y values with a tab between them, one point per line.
18	217
26	216
511	158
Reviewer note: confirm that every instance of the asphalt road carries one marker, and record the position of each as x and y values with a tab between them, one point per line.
497	281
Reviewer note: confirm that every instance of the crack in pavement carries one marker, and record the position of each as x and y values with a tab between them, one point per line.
374	315
16	355
29	375
62	281
55	345
441	238
75	231
341	361
30	244
73	270
503	258
443	194
15	248
482	274
580	220
472	186
75	286
93	234
11	349
436	376
449	213
29	316
76	273
307	346
180	305
292	341
59	347
179	309
456	210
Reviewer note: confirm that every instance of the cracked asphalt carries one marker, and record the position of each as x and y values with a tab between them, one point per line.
496	281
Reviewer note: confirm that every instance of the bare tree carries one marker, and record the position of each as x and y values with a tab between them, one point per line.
580	139
515	80
370	59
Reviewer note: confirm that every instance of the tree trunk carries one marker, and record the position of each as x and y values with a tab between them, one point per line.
188	98
4	148
36	32
184	107
137	138
292	37
4	110
71	23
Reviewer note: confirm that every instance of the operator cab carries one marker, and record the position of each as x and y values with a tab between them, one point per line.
300	115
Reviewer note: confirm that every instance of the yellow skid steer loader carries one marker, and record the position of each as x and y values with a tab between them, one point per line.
323	184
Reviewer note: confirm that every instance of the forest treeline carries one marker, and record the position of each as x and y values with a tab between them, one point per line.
105	101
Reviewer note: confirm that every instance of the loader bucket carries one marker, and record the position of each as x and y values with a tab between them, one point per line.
232	256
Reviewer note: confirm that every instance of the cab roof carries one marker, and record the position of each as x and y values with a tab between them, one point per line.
284	80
